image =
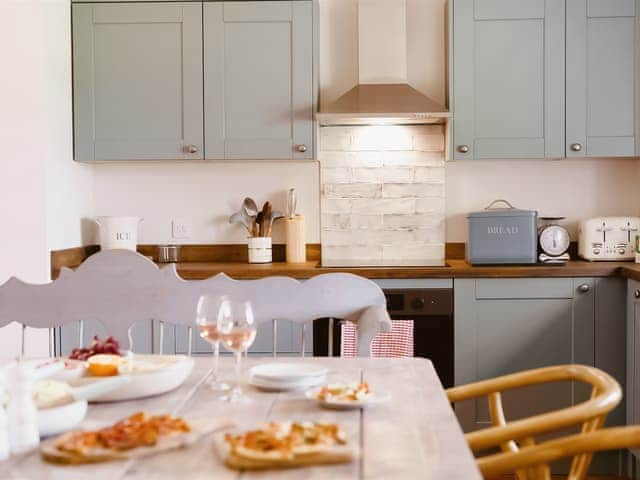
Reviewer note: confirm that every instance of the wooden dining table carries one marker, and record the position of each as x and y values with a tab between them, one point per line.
415	435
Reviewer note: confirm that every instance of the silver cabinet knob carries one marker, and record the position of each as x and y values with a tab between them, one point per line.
192	149
576	147
584	288
636	294
302	148
463	149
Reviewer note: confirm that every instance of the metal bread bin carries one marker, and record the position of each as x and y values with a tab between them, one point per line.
502	235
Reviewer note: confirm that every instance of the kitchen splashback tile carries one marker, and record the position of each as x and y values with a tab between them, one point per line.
382	193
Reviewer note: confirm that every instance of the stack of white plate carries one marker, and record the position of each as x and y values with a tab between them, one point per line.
286	376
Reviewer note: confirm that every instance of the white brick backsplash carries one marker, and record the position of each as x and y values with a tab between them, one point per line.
413	251
405	190
336	159
367	175
397	174
430	205
351	252
352	190
381	138
382	196
336	205
430	235
336	221
364	221
429	174
336	175
395	221
380	205
341	237
413	158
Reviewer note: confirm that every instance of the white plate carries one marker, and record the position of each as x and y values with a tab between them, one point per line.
287	372
275	386
372	399
57	420
172	371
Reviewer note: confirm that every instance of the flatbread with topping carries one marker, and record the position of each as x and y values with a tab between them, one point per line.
286	445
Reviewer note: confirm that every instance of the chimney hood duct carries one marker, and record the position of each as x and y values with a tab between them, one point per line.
383	94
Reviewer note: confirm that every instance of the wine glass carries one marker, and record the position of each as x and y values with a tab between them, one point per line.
209	308
237	328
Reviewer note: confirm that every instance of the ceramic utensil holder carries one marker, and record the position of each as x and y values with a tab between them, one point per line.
260	250
296	249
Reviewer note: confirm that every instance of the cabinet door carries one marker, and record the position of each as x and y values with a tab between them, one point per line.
633	355
602	38
534	323
138	81
258	68
508	78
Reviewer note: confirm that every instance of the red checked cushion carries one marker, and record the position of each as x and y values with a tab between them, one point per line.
396	343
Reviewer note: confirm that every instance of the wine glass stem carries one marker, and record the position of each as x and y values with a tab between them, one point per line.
238	387
216	360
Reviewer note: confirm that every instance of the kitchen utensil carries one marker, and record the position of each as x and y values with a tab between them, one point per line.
250	207
608	238
291	203
502	235
257	227
265	229
240	218
553	240
118	232
250	211
168	253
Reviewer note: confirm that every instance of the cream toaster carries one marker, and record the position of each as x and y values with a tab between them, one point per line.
608	238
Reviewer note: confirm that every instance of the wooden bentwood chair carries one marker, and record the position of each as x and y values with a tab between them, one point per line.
517	439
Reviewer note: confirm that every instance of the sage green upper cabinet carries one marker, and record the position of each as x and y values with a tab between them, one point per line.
137	75
602	38
258	71
508	78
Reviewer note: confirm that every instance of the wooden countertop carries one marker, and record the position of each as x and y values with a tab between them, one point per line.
204	261
455	269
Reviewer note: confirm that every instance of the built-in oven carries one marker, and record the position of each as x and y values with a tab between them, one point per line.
431	310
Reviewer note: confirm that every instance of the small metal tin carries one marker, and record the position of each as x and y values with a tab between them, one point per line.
168	253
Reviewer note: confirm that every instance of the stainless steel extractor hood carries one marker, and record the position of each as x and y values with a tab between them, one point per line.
383	94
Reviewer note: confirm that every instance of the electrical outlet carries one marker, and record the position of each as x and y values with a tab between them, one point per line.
180	229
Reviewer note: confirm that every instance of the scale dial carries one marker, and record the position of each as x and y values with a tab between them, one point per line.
554	240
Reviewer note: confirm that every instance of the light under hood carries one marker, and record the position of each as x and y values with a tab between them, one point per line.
395	103
383	94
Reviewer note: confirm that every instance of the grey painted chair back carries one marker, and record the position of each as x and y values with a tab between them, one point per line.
118	288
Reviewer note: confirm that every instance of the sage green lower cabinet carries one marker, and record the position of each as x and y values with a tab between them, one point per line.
504	326
633	357
137	81
603	48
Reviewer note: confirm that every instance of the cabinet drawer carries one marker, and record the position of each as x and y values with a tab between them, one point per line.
488	288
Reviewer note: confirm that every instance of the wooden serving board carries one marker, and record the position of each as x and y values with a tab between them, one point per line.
332	456
200	429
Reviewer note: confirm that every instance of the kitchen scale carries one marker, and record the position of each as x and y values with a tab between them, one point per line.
554	241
